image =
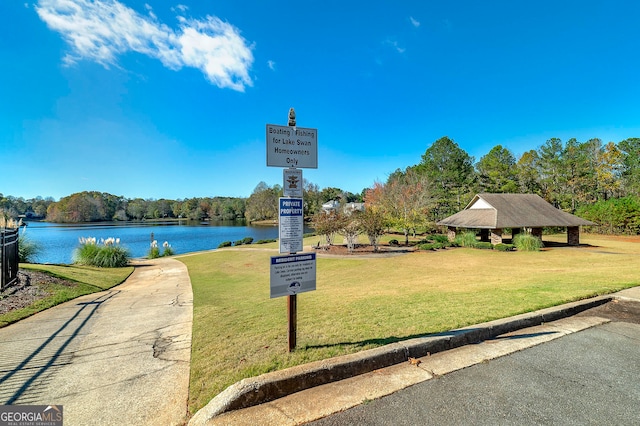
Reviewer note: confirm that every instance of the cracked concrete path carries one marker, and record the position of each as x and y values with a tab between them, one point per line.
120	356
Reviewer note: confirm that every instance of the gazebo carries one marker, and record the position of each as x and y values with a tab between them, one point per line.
492	213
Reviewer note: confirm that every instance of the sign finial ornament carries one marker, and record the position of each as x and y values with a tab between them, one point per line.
292	117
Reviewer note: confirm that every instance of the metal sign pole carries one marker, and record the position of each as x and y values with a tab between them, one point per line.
292	299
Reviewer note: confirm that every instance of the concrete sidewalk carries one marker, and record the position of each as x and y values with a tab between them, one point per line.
312	391
116	357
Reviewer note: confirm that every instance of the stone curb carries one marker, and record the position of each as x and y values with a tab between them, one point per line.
270	386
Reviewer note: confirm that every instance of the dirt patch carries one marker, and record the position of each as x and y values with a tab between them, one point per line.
31	287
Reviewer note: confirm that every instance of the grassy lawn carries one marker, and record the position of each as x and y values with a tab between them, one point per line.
360	303
86	279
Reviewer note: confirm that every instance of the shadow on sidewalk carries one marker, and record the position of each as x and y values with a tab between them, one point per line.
20	378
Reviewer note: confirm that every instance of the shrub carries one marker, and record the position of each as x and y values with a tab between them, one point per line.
527	242
441	241
154	251
503	247
27	249
393	243
467	239
106	254
87	251
111	257
440	238
247	240
266	241
166	249
484	245
224	244
238	243
432	246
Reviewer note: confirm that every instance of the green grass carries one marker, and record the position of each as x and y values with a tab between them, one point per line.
361	303
88	280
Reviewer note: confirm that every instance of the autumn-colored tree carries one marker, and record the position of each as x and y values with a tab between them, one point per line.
350	228
328	224
373	223
609	171
405	200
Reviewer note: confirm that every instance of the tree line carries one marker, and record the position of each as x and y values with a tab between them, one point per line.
600	182
93	206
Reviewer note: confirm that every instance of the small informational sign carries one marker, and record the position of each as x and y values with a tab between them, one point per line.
291	224
292	274
292	147
292	182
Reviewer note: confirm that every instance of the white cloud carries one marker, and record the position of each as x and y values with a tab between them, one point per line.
414	21
182	8
102	30
271	64
394	44
150	9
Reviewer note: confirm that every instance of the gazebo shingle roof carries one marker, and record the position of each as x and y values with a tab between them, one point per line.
497	211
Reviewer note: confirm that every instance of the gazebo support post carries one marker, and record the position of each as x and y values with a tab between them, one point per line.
496	236
537	232
573	235
451	233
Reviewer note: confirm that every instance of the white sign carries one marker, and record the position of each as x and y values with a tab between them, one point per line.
292	274
292	182
292	147
291	224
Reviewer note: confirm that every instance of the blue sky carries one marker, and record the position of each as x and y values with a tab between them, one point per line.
170	99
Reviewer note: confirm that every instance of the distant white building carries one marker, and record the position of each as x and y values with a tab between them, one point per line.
330	205
348	208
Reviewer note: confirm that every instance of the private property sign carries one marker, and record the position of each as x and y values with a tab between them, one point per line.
292	147
291	224
293	274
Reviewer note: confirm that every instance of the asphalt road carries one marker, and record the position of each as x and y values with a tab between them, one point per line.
589	377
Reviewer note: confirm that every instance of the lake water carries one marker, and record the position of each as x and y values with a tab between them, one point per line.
57	241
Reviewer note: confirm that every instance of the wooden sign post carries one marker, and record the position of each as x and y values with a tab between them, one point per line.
292	147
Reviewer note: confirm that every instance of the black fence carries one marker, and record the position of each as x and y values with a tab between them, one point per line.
8	257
